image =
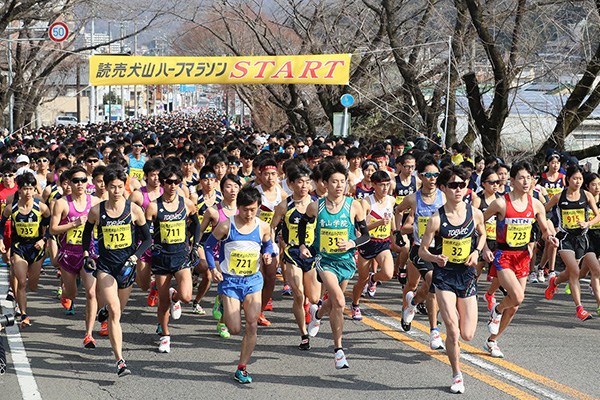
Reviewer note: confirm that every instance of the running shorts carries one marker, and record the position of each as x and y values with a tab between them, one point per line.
514	260
238	287
373	248
70	261
291	255
123	282
168	264
460	281
578	244
28	252
423	266
343	269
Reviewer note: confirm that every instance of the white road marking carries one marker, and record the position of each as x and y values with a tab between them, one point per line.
21	365
495	369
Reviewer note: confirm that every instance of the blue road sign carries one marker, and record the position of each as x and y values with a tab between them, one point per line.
347	100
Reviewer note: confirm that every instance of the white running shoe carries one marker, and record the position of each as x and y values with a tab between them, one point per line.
175	306
458	385
551	274
314	324
165	344
408	314
491	346
340	360
494	321
435	340
532	278
541	277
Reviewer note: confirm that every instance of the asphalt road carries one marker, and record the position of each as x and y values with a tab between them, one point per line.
549	354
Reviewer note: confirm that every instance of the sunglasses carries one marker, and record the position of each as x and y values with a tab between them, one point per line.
430	174
493	182
172	181
138	145
42	160
79	180
8	175
409	166
92	160
457	185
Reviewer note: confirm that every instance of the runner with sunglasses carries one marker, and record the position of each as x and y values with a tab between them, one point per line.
422	204
136	159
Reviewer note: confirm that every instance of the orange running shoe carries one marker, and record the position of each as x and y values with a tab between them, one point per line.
25	323
89	342
307	312
66	303
262	321
153	295
269	306
104	329
583	315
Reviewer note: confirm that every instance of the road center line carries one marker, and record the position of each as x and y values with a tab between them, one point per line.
27	382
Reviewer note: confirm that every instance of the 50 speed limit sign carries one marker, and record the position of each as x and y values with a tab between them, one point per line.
58	31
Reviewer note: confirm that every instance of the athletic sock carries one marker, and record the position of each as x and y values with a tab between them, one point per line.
304	337
336	349
241	367
457	376
578	307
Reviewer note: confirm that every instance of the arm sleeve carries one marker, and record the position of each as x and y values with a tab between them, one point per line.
86	238
208	251
302	228
46	221
267	247
361	226
195	229
2	226
146	240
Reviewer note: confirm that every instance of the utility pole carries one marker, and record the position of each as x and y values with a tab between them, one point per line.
92	116
122	88
135	96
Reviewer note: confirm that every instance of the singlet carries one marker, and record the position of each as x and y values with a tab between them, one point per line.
490	224
330	227
570	212
553	187
456	241
267	207
245	177
361	191
514	231
468	197
91	189
116	236
377	213
136	168
4	193
170	227
202	207
289	229
594	231
71	240
423	212
26	228
402	191
286	188
315	194
239	254
146	197
55	194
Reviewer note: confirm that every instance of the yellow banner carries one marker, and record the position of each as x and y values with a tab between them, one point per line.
328	69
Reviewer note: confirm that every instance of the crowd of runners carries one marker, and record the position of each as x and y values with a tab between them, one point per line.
173	204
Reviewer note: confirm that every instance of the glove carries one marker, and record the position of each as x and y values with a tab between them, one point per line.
193	257
399	239
89	265
128	269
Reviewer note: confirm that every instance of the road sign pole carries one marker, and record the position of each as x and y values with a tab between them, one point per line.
345	124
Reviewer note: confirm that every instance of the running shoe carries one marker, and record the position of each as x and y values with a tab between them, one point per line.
490	300
66	303
435	340
242	376
491	346
306	312
551	274
222	330
598	310
104	329
551	289
10	295
165	344
356	314
567	288
591	290
89	342
195	280
458	385
269	306
371	286
314	324
541	277
217	309
340	360
25	322
58	273
287	290
159	329
262	321
494	321
175	305
17	310
102	315
402	276
153	295
583	315
404	325
532	278
198	308
70	310
422	308
122	369
409	311
59	293
304	344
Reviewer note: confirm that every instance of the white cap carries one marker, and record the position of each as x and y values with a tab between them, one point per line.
22	159
22	170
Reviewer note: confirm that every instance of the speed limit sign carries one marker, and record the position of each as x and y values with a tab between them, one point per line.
58	31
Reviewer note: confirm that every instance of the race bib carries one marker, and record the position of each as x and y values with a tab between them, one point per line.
75	235
490	229
28	229
518	235
382	231
329	238
399	199
117	237
243	262
310	235
172	232
553	191
208	228
571	218
457	250
266	216
136	173
422	221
